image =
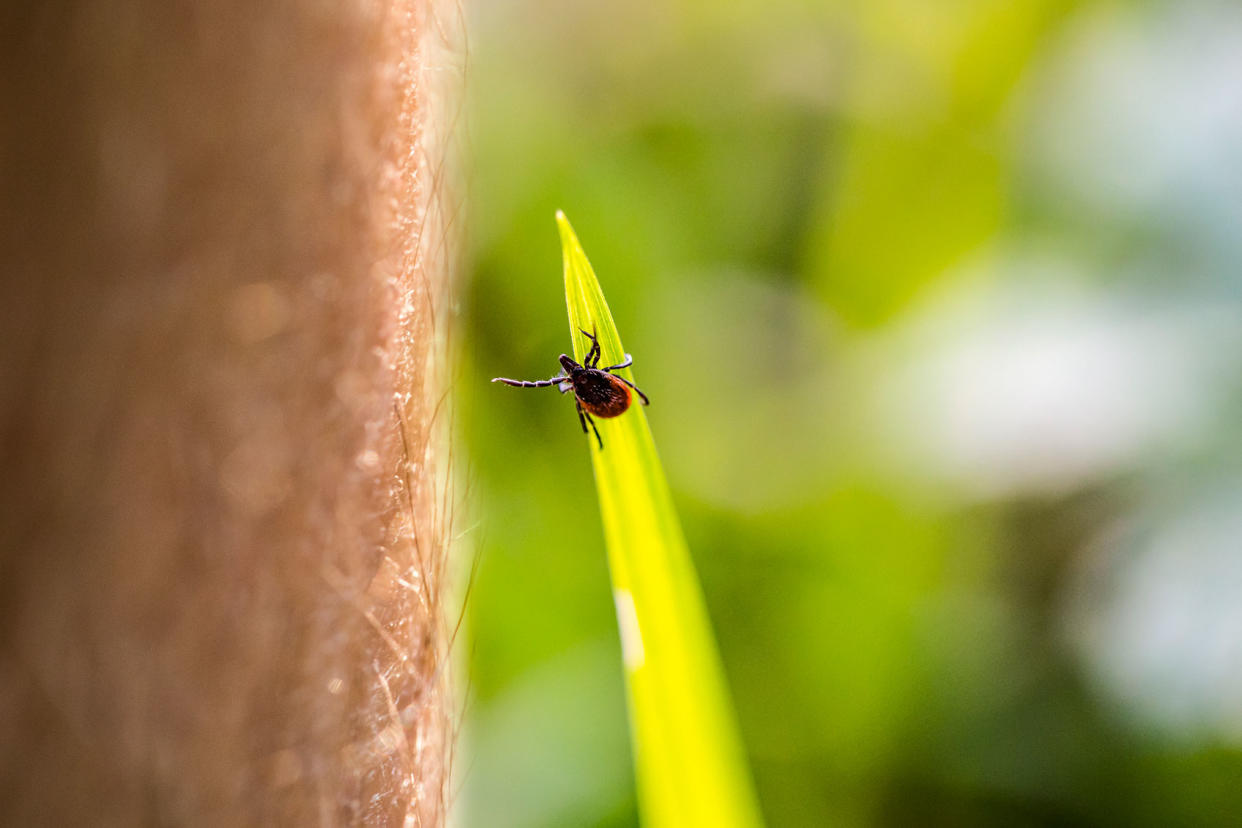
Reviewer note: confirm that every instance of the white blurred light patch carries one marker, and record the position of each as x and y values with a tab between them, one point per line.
1039	388
1155	616
1140	112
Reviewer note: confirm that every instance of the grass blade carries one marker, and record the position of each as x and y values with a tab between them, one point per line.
689	761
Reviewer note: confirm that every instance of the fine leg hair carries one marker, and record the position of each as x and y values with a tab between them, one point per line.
636	388
585	418
529	384
592	357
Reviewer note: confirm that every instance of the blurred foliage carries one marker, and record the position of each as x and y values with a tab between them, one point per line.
938	308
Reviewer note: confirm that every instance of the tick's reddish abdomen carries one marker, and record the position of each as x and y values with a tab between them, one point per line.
601	394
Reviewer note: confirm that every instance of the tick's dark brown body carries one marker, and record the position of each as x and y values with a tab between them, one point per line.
596	390
599	392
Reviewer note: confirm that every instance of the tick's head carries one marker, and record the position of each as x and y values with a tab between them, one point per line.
568	364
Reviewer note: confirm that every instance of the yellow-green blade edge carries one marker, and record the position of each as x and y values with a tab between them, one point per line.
688	755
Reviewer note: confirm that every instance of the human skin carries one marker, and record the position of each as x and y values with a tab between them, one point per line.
224	234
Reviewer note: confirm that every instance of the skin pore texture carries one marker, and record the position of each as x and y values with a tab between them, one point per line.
224	479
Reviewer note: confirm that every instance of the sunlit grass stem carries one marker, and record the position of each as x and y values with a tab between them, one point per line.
688	754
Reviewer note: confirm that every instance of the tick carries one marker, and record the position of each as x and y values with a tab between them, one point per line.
596	390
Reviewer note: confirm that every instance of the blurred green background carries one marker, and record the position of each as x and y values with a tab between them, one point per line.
938	308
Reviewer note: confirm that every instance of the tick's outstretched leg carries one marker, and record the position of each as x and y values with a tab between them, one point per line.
635	387
629	360
592	357
529	384
585	418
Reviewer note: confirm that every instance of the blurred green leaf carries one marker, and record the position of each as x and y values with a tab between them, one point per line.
689	760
